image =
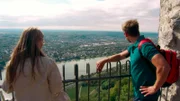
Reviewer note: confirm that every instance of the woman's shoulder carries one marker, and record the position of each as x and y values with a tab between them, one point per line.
49	63
47	60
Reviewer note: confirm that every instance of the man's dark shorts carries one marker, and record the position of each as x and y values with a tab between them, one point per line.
146	99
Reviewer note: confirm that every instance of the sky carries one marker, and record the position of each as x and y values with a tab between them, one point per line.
79	14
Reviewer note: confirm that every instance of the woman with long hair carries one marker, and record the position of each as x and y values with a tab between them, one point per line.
30	74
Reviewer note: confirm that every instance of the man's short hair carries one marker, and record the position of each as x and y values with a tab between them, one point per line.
131	27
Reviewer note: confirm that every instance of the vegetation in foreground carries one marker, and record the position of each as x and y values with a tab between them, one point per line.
119	88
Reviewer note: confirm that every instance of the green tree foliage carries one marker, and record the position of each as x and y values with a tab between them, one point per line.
106	85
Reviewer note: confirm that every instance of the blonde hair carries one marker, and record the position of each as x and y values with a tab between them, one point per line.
25	48
131	27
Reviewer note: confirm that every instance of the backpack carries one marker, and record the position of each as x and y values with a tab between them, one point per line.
170	57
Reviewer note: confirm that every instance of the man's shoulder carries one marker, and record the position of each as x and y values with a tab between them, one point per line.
148	45
130	47
148	50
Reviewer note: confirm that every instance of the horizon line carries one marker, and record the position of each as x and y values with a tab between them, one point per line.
78	30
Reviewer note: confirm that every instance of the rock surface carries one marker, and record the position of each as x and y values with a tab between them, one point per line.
169	38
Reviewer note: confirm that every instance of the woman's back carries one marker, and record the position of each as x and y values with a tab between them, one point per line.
30	74
47	85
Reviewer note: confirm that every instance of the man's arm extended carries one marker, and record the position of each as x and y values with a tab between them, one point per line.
113	58
162	71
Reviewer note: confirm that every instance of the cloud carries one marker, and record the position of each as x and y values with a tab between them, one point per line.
80	14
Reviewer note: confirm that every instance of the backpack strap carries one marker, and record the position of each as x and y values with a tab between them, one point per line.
146	40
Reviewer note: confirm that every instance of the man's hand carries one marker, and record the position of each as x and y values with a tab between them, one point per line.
100	64
148	90
114	58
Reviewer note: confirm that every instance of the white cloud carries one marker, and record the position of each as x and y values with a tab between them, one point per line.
31	8
79	14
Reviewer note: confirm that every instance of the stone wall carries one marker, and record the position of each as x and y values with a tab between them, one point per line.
169	38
